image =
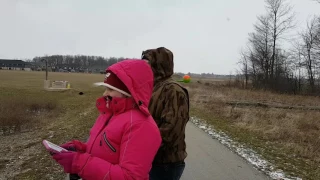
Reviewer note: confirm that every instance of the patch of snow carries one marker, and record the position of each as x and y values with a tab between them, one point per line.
248	154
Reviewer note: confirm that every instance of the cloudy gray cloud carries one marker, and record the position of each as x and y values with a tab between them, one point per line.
198	32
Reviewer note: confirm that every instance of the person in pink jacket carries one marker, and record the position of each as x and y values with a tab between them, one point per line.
125	138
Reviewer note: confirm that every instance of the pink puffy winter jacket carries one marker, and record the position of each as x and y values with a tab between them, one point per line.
124	139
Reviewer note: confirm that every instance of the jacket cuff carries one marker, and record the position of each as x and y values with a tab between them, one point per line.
79	162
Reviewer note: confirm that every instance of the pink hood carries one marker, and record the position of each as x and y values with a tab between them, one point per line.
125	139
138	77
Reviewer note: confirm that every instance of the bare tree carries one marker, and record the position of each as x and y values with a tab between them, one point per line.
281	20
266	56
258	53
244	62
310	51
317	37
296	60
261	42
268	64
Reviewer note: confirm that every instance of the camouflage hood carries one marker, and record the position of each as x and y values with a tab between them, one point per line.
161	61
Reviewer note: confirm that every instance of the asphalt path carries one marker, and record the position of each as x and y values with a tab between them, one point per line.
210	160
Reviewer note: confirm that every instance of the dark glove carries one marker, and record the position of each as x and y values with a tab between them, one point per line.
75	145
69	146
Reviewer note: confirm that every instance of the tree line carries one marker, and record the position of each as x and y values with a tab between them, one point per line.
74	63
280	58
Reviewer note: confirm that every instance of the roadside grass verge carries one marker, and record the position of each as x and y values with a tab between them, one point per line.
290	139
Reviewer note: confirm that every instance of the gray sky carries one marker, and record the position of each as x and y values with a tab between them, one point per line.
204	35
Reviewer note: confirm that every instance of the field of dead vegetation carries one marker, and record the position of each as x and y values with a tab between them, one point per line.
284	129
29	114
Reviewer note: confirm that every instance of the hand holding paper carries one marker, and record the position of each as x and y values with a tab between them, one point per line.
75	145
53	148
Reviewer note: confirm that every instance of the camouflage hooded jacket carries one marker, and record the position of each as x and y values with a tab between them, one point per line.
169	106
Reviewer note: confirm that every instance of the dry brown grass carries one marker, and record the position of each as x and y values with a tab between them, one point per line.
289	138
21	113
56	116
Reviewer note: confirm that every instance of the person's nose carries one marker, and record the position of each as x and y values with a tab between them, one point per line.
106	93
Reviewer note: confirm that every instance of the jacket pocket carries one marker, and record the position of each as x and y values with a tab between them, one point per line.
105	139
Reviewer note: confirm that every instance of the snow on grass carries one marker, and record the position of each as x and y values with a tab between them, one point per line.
248	154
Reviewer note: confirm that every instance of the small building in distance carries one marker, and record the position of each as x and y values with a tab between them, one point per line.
9	64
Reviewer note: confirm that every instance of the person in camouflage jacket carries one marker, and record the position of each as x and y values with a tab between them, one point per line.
169	107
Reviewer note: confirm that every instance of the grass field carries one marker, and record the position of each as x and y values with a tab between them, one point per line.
288	138
56	116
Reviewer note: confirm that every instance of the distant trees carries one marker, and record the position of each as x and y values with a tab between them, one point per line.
79	63
269	64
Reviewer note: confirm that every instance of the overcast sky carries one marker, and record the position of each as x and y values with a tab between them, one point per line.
204	35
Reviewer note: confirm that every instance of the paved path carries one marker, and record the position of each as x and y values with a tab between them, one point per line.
209	160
